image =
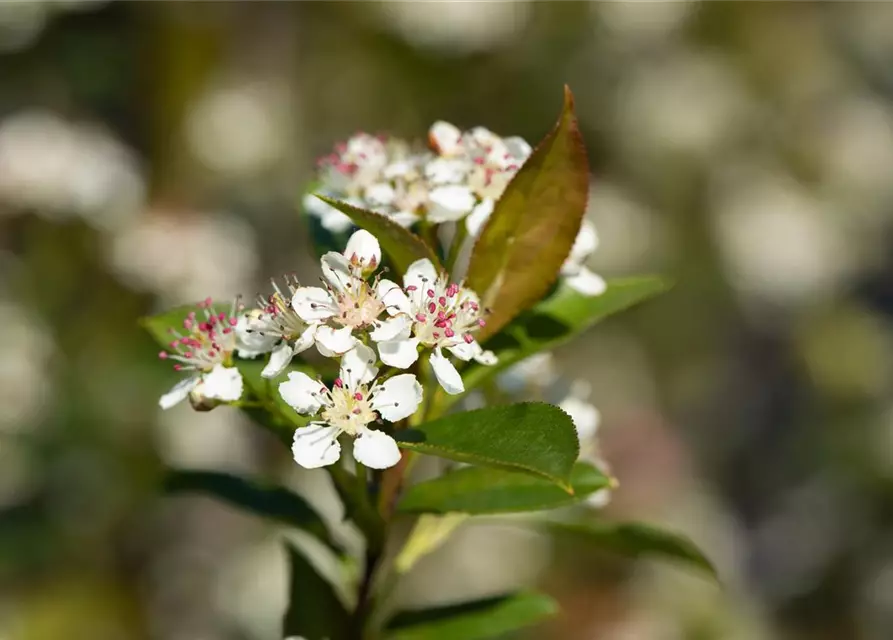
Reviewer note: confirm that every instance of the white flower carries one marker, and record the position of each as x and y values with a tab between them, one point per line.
432	312
574	270
586	419
251	340
355	164
585	416
275	327
348	301
330	218
352	403
206	351
446	138
535	373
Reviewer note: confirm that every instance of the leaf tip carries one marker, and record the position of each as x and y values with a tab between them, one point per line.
324	198
568	97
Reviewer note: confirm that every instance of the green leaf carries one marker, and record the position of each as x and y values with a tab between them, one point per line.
402	245
533	226
159	326
532	437
428	534
553	322
267	390
480	490
315	612
273	502
475	620
637	540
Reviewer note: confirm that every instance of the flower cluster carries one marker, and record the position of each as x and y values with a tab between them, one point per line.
459	178
378	173
463	173
353	308
374	326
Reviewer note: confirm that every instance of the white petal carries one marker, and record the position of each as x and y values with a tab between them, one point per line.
484	137
442	171
313	304
305	340
394	298
358	366
396	328
399	353
469	296
396	170
478	216
302	393
316	445
330	218
487	358
446	138
179	392
465	350
365	247
404	218
449	203
336	270
536	371
460	266
446	232
252	339
498	156
325	352
380	194
599	499
397	397
446	373
376	449
519	149
223	383
279	359
335	221
335	341
586	282
584	245
420	274
584	415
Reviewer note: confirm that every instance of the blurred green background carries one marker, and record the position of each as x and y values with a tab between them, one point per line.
153	153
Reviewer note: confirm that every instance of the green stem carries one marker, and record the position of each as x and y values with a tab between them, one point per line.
362	615
247	404
360	508
360	486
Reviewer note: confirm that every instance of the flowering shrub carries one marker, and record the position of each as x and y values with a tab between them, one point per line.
463	264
